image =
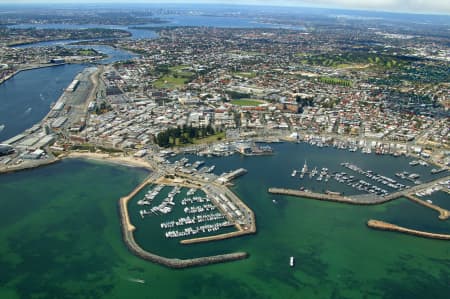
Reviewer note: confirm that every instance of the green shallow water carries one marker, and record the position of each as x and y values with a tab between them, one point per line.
60	238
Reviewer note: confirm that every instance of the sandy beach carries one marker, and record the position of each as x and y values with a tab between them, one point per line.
122	160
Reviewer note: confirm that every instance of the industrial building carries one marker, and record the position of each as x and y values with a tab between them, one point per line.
6	149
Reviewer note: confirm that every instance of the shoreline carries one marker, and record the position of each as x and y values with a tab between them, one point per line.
107	158
21	167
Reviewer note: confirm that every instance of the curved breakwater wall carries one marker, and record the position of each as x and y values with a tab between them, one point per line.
127	235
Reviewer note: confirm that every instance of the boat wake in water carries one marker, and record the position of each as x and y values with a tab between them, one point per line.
136	280
2	127
28	111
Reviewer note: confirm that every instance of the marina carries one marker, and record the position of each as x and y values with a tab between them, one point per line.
128	230
199	214
358	180
79	177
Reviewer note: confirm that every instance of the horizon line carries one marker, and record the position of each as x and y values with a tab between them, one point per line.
187	3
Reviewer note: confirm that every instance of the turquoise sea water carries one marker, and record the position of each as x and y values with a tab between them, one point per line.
60	238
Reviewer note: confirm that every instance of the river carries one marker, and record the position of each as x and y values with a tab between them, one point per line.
26	98
172	21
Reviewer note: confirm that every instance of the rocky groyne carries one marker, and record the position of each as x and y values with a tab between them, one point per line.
376	224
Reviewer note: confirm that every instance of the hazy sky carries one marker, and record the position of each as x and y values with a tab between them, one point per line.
422	6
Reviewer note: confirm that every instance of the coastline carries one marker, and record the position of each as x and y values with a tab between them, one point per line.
30	166
106	158
120	160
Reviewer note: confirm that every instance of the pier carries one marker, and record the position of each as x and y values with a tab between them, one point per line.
241	216
376	224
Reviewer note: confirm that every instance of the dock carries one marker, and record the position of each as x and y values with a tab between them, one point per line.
376	224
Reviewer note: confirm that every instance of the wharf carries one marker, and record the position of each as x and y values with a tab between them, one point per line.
376	224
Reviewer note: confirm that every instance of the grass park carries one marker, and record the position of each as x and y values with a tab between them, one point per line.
175	77
247	102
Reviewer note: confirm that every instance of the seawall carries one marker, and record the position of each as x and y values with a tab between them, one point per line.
376	224
127	234
331	197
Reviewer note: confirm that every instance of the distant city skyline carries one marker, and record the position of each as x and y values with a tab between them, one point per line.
412	6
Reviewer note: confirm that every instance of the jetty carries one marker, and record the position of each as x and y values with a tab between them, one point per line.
356	200
367	199
373	199
376	224
443	213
